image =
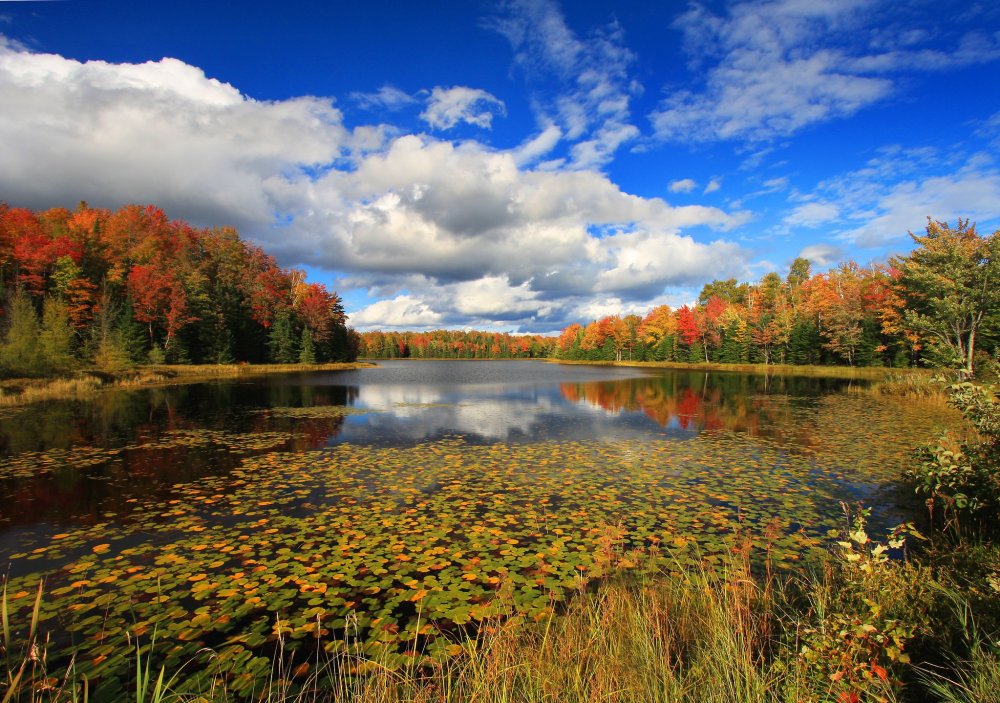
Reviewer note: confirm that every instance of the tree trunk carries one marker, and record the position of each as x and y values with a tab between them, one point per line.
970	349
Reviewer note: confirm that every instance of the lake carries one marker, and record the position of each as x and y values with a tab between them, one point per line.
405	501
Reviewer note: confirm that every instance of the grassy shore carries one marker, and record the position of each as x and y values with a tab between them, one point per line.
869	373
85	383
859	628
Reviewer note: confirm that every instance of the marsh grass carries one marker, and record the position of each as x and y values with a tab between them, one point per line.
736	632
34	391
922	387
17	392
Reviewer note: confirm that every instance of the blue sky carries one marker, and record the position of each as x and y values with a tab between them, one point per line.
514	165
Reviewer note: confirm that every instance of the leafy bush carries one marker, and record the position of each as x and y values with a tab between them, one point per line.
864	614
963	474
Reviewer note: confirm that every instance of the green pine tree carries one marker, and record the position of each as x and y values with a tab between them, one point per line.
19	354
307	351
281	340
55	338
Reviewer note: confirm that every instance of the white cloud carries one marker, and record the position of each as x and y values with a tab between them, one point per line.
538	146
684	185
494	298
635	262
773	67
446	107
907	205
589	77
387	97
158	131
812	214
478	235
896	191
821	255
713	185
403	311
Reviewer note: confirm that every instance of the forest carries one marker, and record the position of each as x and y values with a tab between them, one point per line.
937	306
116	289
455	344
119	288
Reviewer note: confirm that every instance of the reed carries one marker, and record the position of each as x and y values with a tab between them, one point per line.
907	386
17	392
689	632
696	634
24	393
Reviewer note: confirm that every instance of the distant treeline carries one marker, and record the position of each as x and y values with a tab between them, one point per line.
940	305
92	286
454	344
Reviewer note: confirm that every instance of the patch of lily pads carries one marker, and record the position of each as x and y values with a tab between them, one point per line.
397	545
32	464
315	412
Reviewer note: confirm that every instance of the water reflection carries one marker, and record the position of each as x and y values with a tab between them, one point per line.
693	402
131	435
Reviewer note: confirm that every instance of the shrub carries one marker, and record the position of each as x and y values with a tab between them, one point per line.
962	474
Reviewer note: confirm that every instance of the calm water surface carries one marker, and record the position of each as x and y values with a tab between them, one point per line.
410	402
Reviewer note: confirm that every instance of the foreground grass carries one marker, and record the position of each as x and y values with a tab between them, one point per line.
86	383
861	628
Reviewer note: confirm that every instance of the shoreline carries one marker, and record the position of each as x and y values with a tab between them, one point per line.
15	392
868	373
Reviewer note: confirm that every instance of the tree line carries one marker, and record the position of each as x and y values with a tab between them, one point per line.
454	344
938	305
131	286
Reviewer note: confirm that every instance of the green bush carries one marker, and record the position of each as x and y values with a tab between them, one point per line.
962	474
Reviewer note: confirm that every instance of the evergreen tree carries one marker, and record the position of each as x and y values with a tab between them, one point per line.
131	334
665	349
111	351
804	343
307	352
281	341
696	353
55	338
19	354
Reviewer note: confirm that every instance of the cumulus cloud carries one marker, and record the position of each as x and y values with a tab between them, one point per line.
460	232
461	212
446	107
159	130
773	67
589	77
403	311
684	185
822	255
713	185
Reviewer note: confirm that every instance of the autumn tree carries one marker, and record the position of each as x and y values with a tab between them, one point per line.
949	286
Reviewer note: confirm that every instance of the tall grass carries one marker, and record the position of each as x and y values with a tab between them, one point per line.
696	634
16	392
735	633
58	389
907	386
